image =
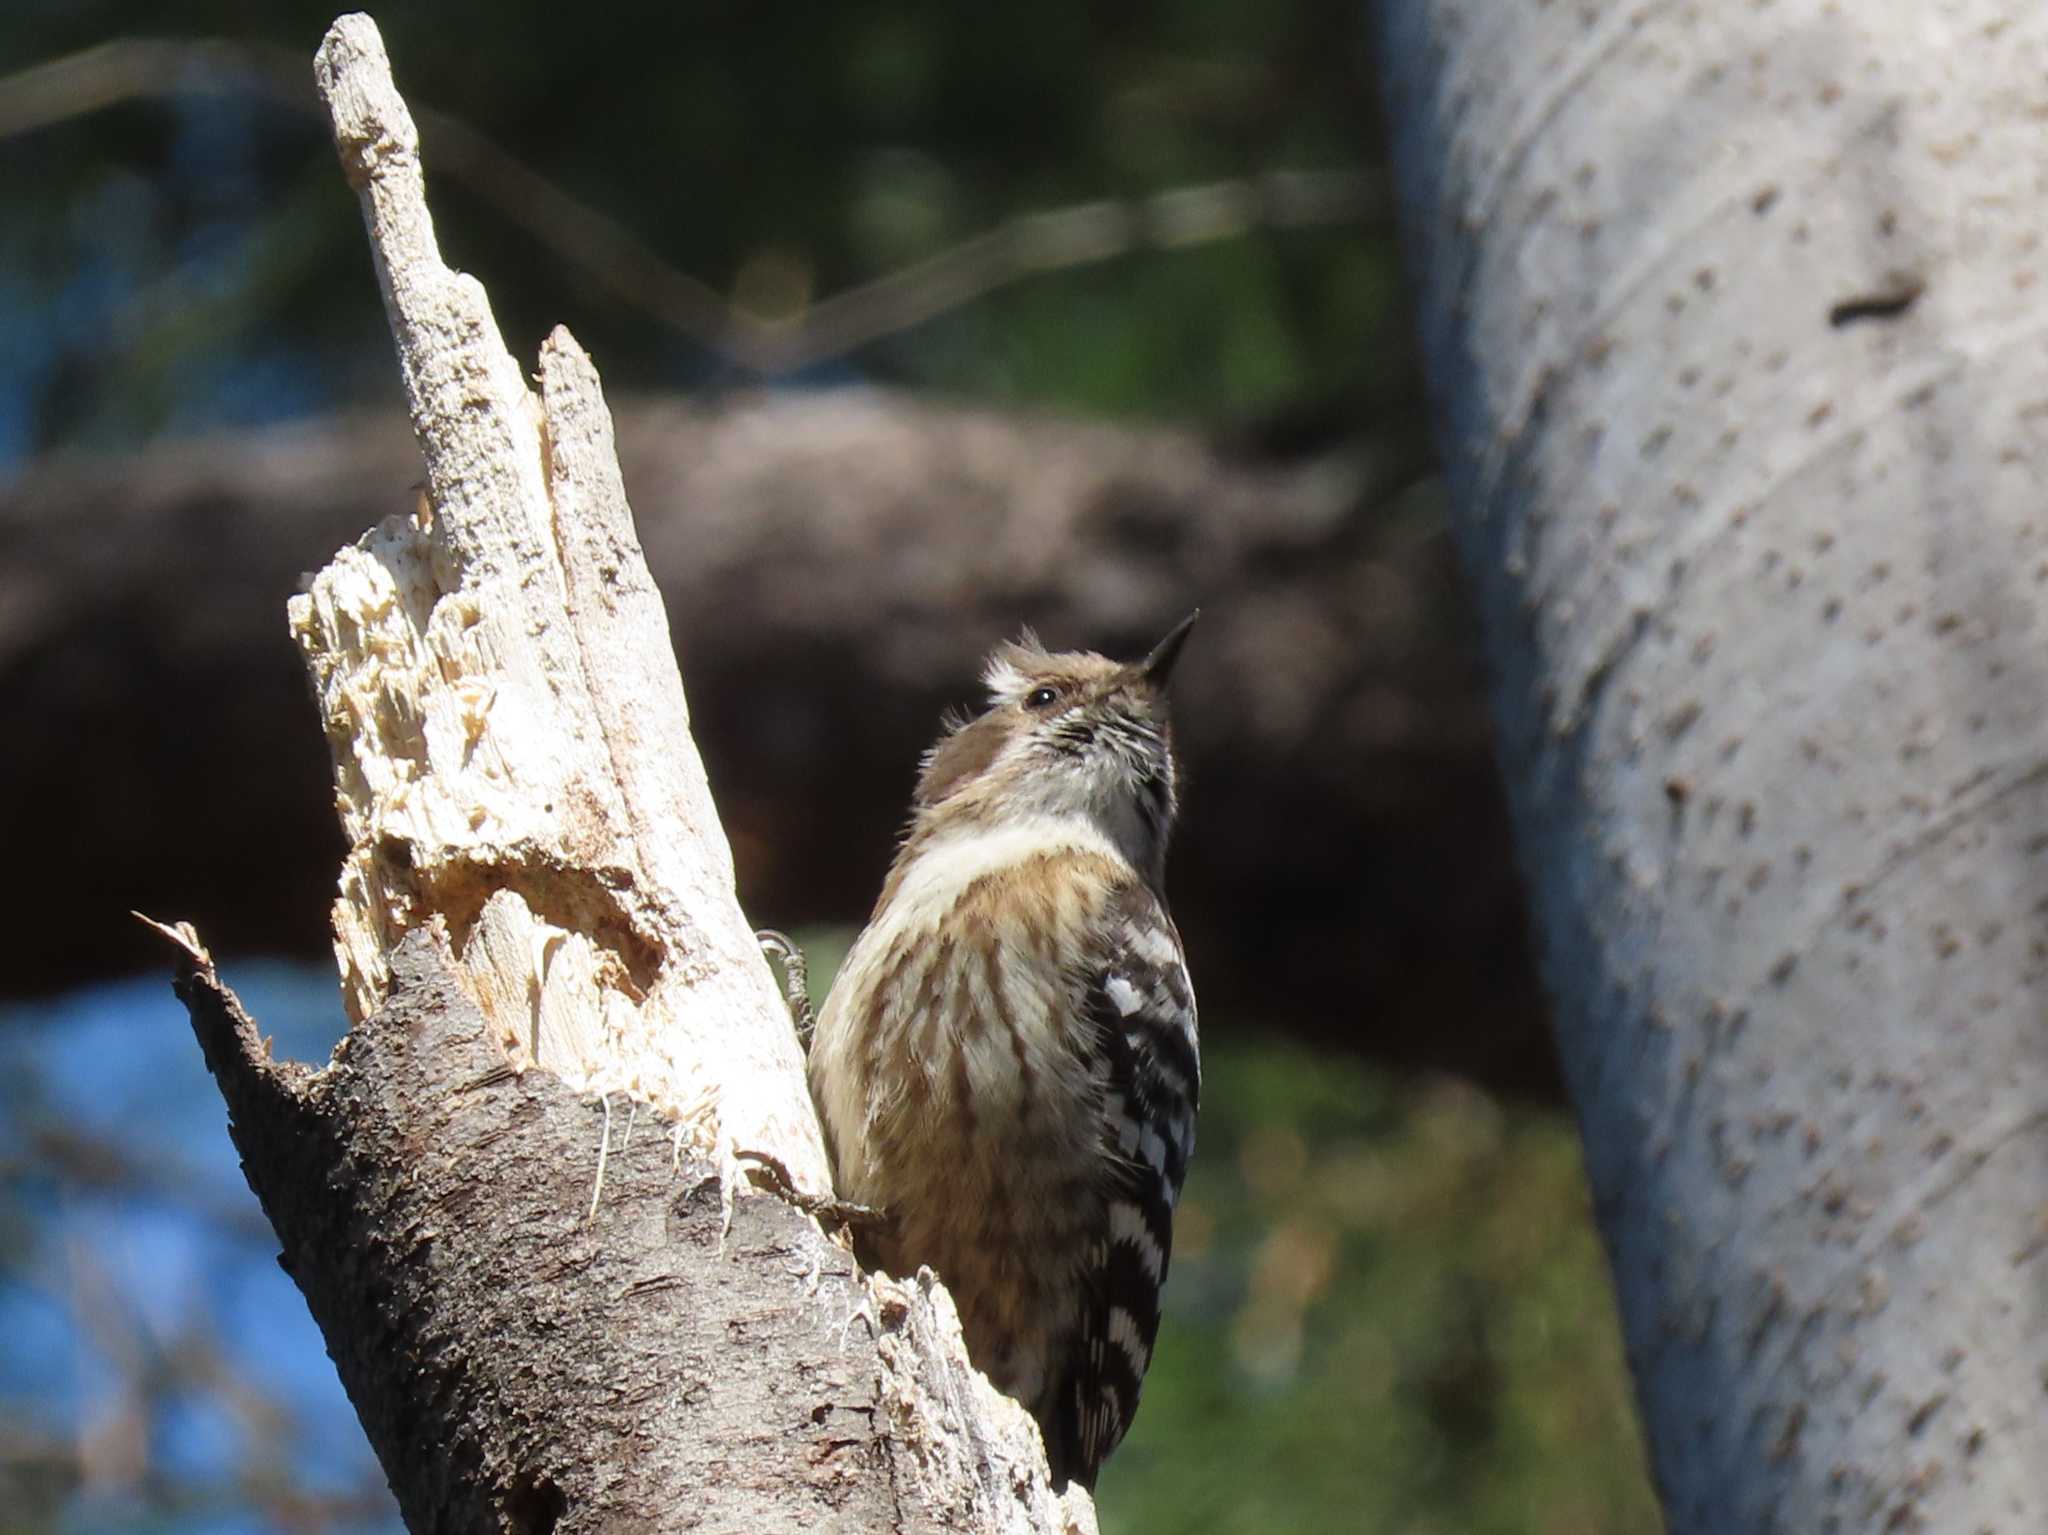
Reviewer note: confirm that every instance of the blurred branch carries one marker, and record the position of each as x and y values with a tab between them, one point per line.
41	1473
113	1438
833	563
625	266
149	1355
94	1164
1037	243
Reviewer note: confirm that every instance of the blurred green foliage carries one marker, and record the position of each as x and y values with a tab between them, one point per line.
188	255
1388	1311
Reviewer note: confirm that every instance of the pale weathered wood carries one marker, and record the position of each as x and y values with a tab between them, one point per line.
544	1323
512	744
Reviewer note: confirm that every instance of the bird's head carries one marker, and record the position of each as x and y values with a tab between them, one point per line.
1065	733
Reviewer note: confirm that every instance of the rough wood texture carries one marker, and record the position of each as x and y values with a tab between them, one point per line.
544	1323
1732	314
512	749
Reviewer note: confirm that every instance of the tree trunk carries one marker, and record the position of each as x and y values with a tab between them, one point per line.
1728	313
544	1322
548	1320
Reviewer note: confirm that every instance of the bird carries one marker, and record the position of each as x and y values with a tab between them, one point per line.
1007	1067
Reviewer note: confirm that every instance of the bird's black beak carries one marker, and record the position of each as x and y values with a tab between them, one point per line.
1157	666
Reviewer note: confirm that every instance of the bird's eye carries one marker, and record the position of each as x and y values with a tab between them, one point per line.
1041	698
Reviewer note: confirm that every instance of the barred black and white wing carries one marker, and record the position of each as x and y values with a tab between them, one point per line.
1143	1011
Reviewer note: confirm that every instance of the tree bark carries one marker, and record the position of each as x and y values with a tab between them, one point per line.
544	1325
1728	316
548	1320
